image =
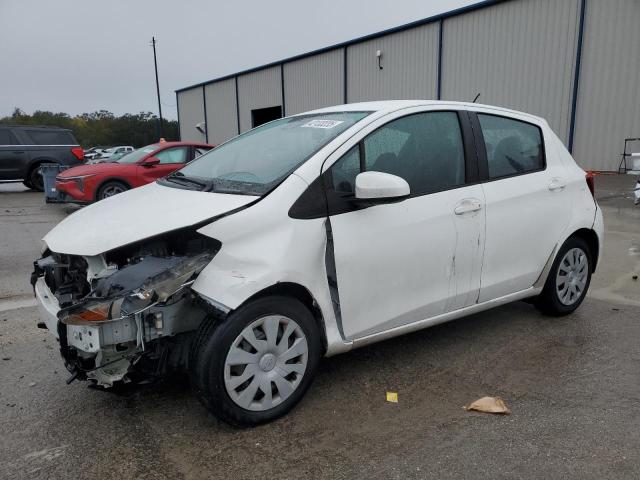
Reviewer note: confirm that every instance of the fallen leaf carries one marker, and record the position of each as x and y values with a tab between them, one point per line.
392	397
489	405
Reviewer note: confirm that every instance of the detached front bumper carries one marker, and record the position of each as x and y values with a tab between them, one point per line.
48	306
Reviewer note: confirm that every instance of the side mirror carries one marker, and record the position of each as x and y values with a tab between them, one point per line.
379	186
151	161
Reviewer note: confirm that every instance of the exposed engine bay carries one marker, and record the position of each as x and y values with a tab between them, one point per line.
129	314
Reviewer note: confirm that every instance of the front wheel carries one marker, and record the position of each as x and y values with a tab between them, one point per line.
254	366
568	280
110	189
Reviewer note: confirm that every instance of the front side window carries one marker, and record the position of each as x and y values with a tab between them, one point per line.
173	155
425	149
137	155
513	147
345	170
255	162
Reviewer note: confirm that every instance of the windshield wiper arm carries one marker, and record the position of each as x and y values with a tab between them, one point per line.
182	179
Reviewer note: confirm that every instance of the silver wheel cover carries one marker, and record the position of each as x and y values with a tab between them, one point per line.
571	279
265	363
112	190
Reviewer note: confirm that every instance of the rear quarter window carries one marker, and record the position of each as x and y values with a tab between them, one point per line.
6	137
513	147
50	137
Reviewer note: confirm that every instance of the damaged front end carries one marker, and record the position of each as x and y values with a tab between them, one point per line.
129	314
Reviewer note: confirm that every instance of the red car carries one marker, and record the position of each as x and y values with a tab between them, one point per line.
88	183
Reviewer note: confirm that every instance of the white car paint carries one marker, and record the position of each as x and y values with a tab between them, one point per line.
468	248
142	213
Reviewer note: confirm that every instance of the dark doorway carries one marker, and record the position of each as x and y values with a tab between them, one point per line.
264	115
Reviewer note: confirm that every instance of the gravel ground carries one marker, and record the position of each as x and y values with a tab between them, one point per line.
571	383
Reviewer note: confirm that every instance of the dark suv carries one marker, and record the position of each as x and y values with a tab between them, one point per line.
23	149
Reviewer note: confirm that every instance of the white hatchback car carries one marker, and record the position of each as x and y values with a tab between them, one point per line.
312	235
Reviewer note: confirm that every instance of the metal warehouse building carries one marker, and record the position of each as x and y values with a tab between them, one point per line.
574	62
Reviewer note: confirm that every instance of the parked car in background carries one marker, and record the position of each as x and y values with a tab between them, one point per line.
94	152
23	149
88	183
98	159
315	234
115	150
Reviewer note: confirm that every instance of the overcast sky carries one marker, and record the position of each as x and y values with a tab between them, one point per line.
79	56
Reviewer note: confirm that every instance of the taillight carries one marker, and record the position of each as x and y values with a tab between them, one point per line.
590	177
78	153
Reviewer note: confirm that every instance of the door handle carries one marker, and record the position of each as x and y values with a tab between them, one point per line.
557	184
18	151
469	205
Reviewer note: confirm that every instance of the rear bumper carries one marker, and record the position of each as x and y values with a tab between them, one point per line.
598	227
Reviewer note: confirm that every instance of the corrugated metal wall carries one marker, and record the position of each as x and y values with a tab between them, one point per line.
222	120
609	89
518	54
191	112
314	82
259	89
409	61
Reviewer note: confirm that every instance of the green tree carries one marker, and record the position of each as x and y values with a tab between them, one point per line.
101	127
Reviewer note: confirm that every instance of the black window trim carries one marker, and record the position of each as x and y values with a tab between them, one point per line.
481	148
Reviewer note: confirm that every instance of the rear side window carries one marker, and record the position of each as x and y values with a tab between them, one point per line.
173	155
513	147
6	137
50	137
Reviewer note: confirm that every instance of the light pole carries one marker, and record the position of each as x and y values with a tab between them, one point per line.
155	63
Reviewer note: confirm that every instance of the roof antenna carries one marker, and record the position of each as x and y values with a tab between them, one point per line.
477	97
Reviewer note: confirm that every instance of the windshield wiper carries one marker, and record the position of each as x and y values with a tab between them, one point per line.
181	179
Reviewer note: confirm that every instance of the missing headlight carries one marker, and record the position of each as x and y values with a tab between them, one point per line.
135	288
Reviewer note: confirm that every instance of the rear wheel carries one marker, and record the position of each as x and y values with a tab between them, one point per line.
568	279
254	366
35	179
110	189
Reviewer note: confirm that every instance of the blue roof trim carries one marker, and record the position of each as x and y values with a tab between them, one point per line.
407	26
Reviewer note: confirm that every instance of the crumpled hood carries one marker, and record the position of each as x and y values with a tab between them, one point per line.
135	215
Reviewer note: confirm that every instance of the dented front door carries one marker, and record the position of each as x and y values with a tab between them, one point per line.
403	262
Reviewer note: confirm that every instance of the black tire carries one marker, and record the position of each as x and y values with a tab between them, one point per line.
212	344
35	179
111	188
27	183
549	301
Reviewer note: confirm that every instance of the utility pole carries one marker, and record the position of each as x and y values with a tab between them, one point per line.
155	63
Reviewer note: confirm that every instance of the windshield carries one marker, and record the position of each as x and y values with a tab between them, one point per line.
256	161
133	157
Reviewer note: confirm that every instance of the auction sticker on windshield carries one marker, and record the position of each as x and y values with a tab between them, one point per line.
322	123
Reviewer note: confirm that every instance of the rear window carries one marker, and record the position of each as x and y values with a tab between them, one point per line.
50	137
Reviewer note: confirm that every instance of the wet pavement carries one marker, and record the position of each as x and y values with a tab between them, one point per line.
572	385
